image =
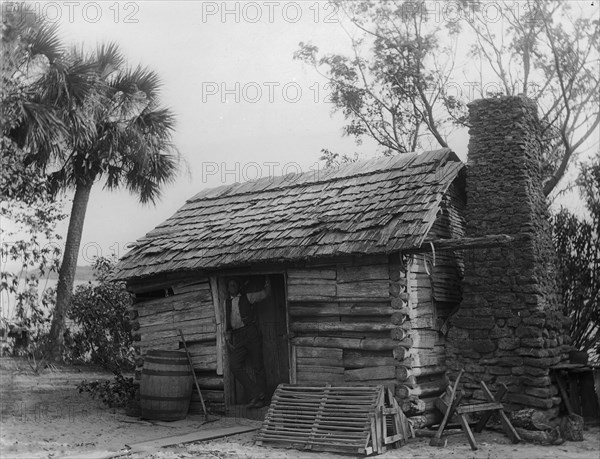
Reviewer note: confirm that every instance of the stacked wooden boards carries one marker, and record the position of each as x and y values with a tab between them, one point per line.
340	317
434	293
353	419
373	320
186	305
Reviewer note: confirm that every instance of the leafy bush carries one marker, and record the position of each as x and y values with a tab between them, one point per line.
116	393
578	245
102	331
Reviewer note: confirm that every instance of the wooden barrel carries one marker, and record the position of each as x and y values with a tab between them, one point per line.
166	385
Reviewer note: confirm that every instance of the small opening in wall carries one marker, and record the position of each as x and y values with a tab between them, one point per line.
162	293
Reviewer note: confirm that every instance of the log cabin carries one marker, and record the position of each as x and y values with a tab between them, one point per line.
368	264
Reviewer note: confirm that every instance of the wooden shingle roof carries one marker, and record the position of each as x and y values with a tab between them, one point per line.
369	207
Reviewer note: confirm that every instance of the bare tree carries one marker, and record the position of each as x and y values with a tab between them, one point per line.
547	51
401	94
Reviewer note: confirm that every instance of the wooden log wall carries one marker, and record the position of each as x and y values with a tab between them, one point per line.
347	321
434	292
426	358
188	307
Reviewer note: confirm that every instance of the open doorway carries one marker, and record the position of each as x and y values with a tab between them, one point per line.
271	320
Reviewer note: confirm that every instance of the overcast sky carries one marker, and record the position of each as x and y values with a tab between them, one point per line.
244	107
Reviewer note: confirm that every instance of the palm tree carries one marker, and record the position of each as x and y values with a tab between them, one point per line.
117	131
86	117
28	48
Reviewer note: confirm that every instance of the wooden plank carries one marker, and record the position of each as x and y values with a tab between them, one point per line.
202	348
352	361
422	321
190	286
318	352
317	282
426	389
311	274
346	343
310	292
370	373
319	361
318	379
293	363
170	329
467	430
424	339
343	309
198	313
176	302
574	393
362	273
320	368
332	327
214	289
493	240
199	326
204	363
500	393
199	435
160	320
479	407
367	289
506	424
596	376
563	392
172	337
147	308
427	357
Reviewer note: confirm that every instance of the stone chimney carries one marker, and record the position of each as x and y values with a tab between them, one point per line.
509	328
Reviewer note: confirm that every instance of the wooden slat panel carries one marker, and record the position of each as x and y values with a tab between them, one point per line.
347	419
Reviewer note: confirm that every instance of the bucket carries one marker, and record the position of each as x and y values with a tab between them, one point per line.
166	385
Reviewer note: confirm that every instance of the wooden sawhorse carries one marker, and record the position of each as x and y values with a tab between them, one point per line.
493	405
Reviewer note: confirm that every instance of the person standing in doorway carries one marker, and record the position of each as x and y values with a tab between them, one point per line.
244	339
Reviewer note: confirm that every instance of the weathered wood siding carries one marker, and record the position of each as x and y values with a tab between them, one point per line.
434	293
346	321
190	308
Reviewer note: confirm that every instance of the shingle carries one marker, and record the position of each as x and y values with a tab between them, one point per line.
373	206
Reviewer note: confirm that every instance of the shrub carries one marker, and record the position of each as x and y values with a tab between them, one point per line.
577	242
117	393
102	331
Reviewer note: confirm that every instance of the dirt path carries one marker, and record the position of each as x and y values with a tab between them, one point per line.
45	417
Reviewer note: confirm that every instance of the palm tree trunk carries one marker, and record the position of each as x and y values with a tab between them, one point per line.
66	274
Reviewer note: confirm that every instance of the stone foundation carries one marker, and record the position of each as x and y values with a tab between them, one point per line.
509	328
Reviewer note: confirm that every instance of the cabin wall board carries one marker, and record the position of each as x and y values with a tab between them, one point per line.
341	321
434	292
190	308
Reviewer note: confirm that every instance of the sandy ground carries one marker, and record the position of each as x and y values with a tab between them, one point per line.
45	417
